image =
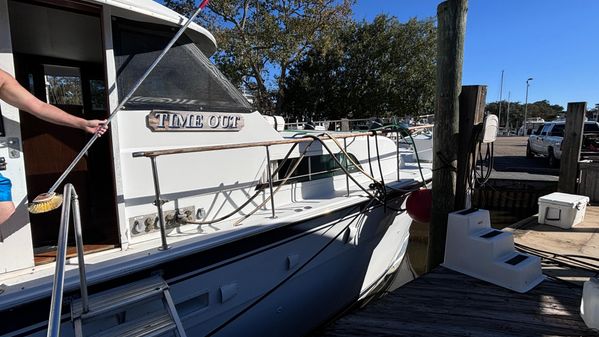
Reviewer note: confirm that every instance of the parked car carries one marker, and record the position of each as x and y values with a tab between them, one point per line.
546	140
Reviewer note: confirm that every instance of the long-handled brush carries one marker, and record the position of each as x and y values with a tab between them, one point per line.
51	200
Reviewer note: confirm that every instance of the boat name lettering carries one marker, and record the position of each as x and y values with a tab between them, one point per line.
160	121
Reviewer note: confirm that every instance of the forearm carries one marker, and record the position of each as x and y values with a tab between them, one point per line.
55	115
14	94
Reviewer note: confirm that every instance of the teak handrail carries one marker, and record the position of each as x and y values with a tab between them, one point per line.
208	148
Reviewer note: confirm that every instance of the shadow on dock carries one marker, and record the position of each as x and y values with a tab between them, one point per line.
447	303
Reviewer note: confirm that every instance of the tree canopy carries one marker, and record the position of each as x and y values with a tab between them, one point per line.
381	69
260	40
310	58
542	109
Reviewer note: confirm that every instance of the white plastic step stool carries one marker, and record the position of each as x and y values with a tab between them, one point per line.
475	249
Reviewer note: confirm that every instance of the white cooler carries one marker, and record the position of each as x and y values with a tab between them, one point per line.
562	209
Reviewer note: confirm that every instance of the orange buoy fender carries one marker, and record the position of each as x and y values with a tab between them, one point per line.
420	205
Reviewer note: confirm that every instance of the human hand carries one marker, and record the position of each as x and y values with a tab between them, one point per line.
96	126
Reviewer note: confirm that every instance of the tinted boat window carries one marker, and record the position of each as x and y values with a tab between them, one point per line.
183	80
316	167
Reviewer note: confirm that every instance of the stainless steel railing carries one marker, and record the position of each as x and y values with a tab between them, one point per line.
71	202
153	155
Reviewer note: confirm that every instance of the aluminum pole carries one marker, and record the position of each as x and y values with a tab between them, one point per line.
272	195
80	251
61	254
158	203
526	107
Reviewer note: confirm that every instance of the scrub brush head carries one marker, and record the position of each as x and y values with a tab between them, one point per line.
45	202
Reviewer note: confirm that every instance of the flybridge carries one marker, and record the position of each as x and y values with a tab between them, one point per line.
193	121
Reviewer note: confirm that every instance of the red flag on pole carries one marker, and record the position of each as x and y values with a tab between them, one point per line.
203	4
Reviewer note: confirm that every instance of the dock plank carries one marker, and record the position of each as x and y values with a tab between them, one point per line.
447	303
564	249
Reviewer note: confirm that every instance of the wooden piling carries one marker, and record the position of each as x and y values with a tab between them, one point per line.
571	145
451	28
472	109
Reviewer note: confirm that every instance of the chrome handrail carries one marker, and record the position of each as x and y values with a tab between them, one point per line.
153	155
71	201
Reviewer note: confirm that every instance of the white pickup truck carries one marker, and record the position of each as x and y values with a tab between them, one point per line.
546	140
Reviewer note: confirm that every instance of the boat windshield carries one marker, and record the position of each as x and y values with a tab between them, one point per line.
183	80
316	167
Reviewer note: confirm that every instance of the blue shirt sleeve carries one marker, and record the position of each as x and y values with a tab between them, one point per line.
5	189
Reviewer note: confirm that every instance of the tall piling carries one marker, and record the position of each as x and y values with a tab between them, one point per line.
451	28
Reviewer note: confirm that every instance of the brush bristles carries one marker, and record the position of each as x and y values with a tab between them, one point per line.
46	204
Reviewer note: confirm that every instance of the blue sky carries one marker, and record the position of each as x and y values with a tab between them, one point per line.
556	42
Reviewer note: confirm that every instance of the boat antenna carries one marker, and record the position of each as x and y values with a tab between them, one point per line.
51	200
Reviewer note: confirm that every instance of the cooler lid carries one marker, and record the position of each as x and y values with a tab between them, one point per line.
564	199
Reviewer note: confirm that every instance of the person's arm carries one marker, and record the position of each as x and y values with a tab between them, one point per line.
14	94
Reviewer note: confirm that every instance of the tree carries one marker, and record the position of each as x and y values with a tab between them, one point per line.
542	109
381	68
260	40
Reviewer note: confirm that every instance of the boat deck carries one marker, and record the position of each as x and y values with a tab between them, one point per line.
447	303
36	282
564	250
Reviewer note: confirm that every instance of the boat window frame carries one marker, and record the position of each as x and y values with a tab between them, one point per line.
228	98
307	163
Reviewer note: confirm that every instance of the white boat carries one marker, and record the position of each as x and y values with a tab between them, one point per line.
420	141
262	232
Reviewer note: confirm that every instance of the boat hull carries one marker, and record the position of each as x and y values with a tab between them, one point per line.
291	280
368	246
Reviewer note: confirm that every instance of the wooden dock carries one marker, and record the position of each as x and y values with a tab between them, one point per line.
447	303
569	254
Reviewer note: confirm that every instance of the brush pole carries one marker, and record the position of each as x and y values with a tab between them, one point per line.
128	96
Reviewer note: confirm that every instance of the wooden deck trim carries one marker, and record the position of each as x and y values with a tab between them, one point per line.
49	255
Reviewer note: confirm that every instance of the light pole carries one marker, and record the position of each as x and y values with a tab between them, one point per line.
500	101
526	106
507	119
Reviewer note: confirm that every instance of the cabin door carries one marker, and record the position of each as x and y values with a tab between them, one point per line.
69	73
